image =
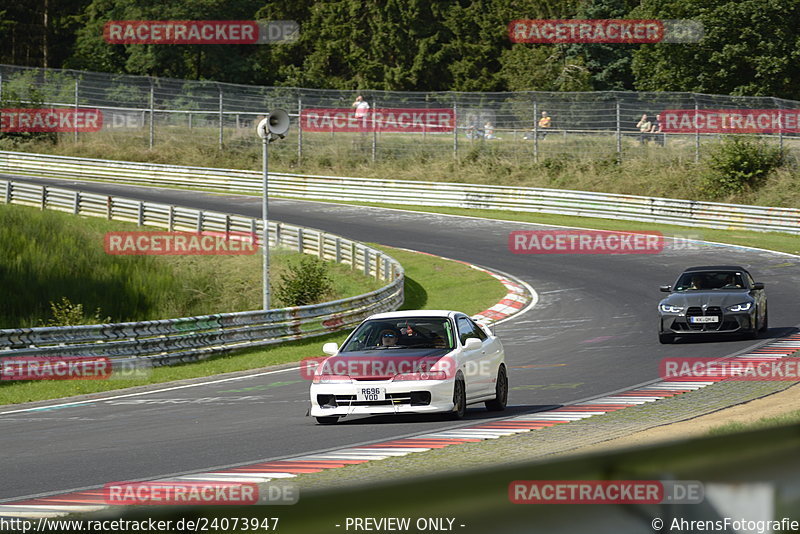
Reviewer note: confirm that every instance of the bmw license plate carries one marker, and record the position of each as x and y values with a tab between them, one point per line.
371	394
705	319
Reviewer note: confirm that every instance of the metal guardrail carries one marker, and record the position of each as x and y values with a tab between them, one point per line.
168	341
553	201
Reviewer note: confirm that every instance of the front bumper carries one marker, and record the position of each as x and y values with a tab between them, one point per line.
413	396
727	323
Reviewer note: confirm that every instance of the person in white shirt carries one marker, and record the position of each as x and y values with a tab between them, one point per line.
362	108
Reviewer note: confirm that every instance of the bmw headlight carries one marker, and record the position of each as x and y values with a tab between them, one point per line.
667	308
744	306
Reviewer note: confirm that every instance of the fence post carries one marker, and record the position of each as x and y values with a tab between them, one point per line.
618	130
780	123
455	130
352	255
321	246
535	131
299	128
171	218
278	233
9	193
220	117
109	207
365	251
696	132
300	236
374	131
44	198
75	136
152	112
199	221
140	214
76	203
338	249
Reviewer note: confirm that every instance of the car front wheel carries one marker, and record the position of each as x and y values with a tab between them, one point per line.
329	420
498	404
459	398
666	339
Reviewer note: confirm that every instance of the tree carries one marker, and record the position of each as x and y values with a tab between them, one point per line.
751	47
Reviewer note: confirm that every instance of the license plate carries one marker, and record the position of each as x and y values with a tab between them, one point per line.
705	319
370	394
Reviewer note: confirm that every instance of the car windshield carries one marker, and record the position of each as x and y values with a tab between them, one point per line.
402	333
710	280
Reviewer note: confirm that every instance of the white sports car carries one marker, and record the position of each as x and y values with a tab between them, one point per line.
418	361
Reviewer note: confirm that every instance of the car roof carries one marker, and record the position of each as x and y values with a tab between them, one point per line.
414	313
715	268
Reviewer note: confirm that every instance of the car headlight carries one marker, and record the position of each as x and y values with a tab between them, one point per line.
430	375
666	308
325	378
744	306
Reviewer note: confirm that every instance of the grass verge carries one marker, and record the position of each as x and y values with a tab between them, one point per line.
51	256
431	283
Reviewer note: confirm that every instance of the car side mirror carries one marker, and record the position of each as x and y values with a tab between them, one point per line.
330	348
665	289
472	343
758	285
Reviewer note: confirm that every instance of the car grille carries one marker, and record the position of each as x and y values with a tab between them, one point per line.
414	398
697	311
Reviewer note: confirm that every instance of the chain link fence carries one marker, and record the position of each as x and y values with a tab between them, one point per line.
327	123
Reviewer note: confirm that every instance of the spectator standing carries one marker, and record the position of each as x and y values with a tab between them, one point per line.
544	124
644	126
657	134
362	109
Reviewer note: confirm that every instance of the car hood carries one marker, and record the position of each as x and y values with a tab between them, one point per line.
721	298
385	363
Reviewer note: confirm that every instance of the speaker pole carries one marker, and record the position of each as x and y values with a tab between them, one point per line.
274	126
265	220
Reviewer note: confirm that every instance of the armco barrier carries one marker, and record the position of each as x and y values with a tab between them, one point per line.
554	201
167	341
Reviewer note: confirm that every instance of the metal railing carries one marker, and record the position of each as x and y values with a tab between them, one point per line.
168	341
553	201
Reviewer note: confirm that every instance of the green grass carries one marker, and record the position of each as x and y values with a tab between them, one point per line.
587	163
431	283
50	255
788	418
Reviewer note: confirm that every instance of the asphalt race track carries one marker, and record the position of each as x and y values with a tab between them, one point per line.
593	332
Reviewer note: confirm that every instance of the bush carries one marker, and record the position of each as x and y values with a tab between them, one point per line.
739	164
65	313
306	282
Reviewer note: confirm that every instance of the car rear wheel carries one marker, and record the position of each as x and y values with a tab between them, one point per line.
666	339
328	420
459	398
498	404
